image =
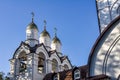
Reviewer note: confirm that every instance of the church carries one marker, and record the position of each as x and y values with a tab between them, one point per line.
40	58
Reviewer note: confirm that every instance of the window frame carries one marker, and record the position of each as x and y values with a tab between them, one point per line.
41	63
76	72
66	67
55	77
54	65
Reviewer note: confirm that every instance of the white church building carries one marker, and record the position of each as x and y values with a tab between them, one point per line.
38	56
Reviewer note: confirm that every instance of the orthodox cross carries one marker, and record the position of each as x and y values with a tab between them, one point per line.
55	31
32	13
45	24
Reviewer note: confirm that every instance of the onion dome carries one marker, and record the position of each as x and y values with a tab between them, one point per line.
44	33
45	37
32	33
56	43
32	25
56	40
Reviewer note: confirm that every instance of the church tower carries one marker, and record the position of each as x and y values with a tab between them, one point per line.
34	58
56	43
45	37
32	33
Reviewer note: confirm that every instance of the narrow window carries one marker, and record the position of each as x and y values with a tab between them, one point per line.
41	63
55	77
66	67
54	65
76	74
22	62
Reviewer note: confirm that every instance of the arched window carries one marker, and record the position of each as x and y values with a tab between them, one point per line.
41	63
54	65
22	62
66	67
55	77
76	74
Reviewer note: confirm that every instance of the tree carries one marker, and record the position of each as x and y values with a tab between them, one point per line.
7	78
1	77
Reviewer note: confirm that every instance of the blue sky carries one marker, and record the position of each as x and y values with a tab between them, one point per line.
75	20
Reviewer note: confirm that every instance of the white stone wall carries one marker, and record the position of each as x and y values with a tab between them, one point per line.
106	57
46	41
66	62
31	73
56	46
32	34
32	37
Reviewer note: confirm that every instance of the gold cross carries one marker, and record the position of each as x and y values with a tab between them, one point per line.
32	13
55	31
45	24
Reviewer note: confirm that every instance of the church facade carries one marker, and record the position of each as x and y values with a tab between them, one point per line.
38	56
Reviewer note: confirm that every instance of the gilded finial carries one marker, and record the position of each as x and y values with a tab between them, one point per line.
32	13
55	31
45	24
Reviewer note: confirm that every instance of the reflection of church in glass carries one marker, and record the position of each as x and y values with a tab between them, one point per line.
42	59
107	11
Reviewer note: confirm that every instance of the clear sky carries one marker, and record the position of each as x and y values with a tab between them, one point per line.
75	20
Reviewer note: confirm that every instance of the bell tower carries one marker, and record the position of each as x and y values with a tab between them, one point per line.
34	59
45	37
56	43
